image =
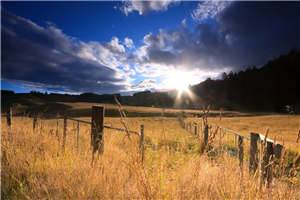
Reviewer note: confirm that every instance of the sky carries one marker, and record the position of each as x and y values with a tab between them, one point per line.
129	46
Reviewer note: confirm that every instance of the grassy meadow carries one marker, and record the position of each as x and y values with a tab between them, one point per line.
34	166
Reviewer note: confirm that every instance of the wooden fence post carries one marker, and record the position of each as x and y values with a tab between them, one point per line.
266	164
187	126
195	129
142	150
241	151
34	121
277	159
64	133
97	127
9	116
277	151
206	135
9	121
253	160
205	139
77	137
56	133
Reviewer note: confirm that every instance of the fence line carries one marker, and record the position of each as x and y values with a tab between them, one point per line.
231	131
105	126
79	120
263	163
97	130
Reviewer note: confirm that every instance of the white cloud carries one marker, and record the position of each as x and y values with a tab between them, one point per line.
209	9
144	7
128	43
116	46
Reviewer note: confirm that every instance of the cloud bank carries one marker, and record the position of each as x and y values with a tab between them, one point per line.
45	55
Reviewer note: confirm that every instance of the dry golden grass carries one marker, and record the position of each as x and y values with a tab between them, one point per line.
142	109
34	167
283	128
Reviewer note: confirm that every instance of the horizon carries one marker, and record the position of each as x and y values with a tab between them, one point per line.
126	47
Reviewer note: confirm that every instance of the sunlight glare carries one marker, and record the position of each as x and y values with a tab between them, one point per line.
178	80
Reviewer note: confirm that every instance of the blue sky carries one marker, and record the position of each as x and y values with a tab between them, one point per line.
124	47
100	21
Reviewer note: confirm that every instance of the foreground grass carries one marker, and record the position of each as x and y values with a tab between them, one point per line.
34	166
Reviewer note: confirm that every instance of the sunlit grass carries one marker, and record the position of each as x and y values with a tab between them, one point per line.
34	166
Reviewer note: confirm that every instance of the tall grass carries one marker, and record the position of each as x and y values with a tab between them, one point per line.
34	166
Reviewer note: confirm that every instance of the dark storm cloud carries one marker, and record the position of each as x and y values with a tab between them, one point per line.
257	31
242	34
47	57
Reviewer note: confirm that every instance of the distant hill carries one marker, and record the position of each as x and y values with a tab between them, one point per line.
273	87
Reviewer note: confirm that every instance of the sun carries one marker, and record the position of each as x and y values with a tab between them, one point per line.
178	80
181	81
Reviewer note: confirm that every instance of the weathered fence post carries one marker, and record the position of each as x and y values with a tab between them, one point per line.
277	151
278	159
9	116
142	151
206	135
56	133
9	121
241	151
34	121
266	164
195	128
97	126
64	133
253	160
205	139
77	137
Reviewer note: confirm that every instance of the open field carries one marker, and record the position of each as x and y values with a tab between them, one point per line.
34	166
77	106
83	109
282	128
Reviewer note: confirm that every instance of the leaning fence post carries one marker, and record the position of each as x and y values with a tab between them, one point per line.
253	160
142	151
64	133
241	151
97	127
266	164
